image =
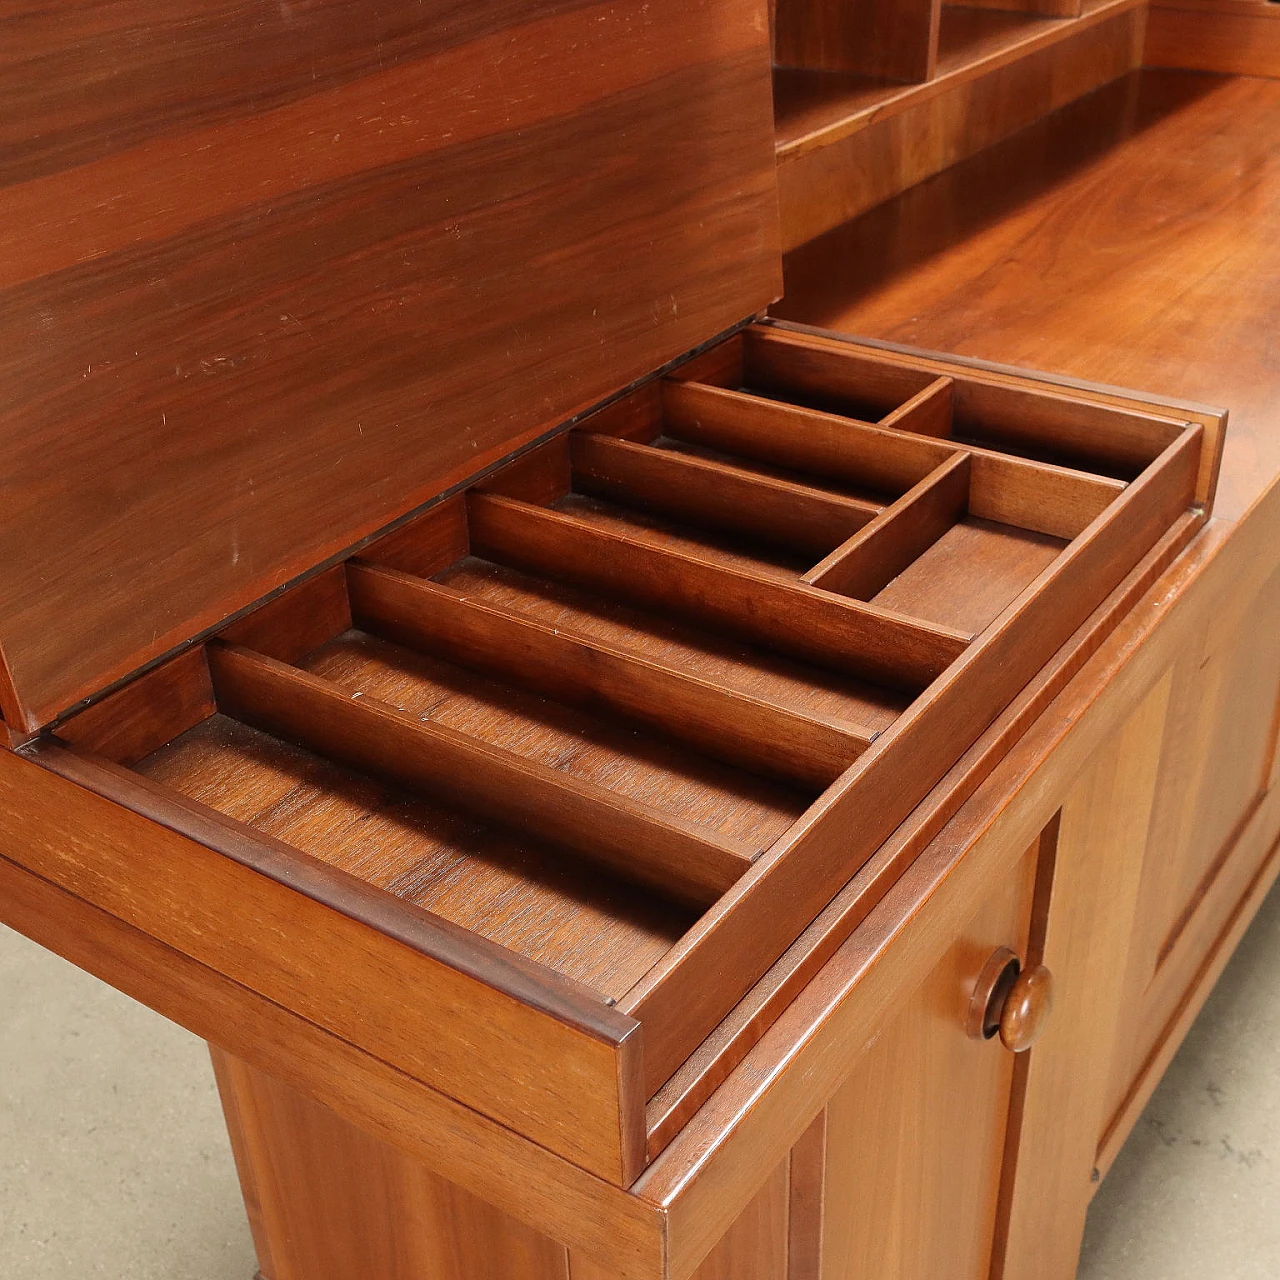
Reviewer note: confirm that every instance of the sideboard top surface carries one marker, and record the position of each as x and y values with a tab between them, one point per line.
272	276
1131	238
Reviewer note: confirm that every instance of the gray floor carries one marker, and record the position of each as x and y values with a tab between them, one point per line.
113	1160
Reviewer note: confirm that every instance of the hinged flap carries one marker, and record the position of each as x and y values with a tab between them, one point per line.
273	275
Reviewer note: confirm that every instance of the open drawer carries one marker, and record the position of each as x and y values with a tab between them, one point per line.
523	795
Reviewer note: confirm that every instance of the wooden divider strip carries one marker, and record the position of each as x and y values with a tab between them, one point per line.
1040	416
743	730
791	618
881	550
775	364
789	435
676	858
1038	496
797	517
928	413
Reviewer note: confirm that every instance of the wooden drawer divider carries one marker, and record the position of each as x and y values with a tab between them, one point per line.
752	732
672	856
791	617
795	516
875	555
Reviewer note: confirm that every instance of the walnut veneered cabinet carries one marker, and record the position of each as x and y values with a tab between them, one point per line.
574	745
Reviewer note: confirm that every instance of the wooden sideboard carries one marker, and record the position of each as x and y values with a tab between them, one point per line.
631	788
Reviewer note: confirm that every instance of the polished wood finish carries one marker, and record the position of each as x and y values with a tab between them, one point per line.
780	512
304	1169
1068	194
1058	1112
1026	1009
801	622
765	736
1102	557
591	848
1211	834
868	561
1234	37
129	725
104	832
241	290
921	1122
699	753
720	1053
486	1158
663	852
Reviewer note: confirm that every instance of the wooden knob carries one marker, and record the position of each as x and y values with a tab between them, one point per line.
1026	1009
1010	1001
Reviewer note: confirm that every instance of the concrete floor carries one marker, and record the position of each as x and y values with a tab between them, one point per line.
114	1163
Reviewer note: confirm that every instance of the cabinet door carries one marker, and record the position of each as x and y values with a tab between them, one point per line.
1084	922
1214	823
899	1177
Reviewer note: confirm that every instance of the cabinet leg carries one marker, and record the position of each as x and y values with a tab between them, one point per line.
327	1201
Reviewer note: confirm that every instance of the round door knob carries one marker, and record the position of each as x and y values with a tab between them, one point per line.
1011	1002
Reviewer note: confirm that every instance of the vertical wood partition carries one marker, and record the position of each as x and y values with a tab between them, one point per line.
901	533
881	39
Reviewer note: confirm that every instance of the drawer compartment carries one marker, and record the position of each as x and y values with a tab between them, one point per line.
597	737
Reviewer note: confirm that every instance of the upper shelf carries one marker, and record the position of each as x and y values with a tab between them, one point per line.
852	131
815	108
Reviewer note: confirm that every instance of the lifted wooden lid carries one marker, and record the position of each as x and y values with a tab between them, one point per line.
269	281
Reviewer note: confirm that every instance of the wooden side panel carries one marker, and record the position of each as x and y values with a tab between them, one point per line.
1235	37
271	276
915	1138
1060	1104
328	1201
890	39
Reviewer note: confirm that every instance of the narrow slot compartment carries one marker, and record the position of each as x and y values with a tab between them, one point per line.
794	618
900	534
1050	424
784	513
1038	496
668	854
710	655
577	669
560	912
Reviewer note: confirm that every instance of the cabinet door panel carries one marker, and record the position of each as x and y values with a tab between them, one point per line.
1061	1095
914	1139
1212	822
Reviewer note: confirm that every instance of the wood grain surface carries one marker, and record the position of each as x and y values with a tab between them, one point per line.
378	972
1115	241
272	276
